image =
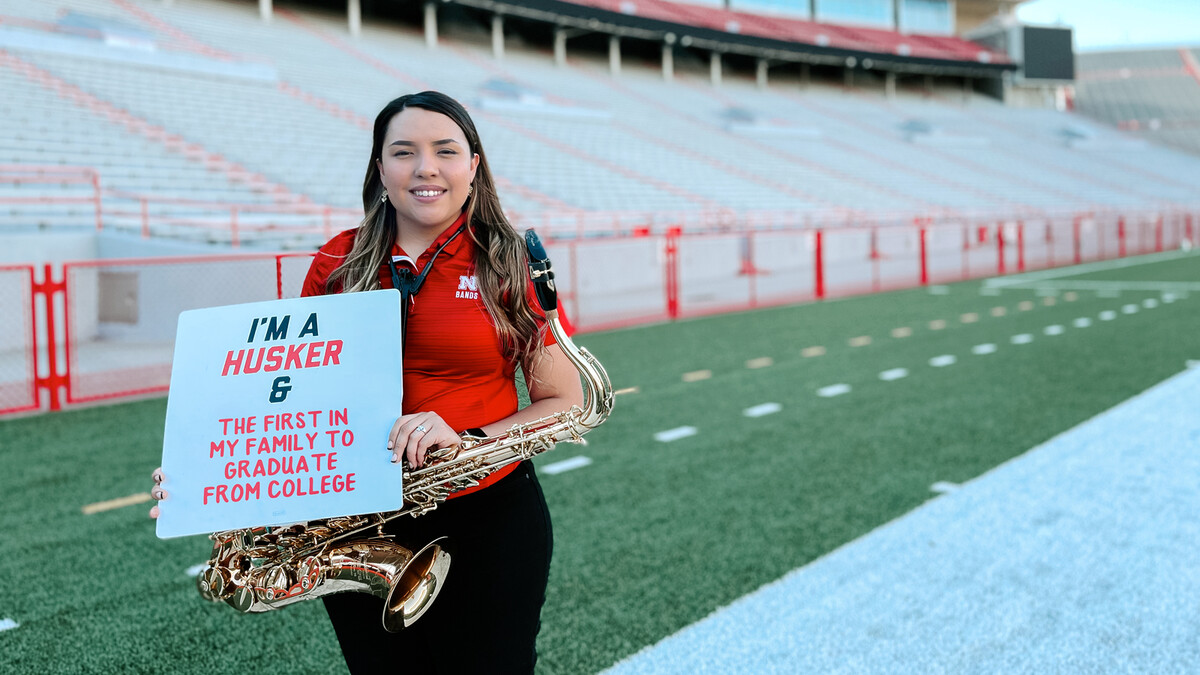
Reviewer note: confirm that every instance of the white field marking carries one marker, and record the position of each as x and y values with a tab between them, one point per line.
942	487
893	374
697	375
943	361
8	624
937	324
1108	315
1070	296
999	311
627	390
1049	300
1108	294
1149	303
1025	305
1168	297
833	390
1053	330
1129	309
674	434
986	348
1193	363
1022	339
760	362
1082	322
577	462
195	570
969	317
860	341
809	352
117	503
1022	279
989	291
1106	288
762	409
939	290
901	332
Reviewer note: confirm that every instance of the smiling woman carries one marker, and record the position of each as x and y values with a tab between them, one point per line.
434	226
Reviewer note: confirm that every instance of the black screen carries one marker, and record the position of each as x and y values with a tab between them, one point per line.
1049	54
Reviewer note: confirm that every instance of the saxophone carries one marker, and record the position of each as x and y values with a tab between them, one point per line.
266	568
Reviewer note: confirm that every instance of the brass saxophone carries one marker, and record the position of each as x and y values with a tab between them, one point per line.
266	568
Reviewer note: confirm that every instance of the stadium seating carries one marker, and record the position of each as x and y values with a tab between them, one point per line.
1154	94
280	112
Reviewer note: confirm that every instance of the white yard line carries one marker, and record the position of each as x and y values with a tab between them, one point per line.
675	434
1082	322
943	361
986	348
1108	289
565	465
833	390
942	487
762	409
1119	263
1021	339
1129	309
8	624
893	374
1053	330
1108	315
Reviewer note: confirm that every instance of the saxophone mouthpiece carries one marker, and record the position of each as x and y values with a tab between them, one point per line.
540	273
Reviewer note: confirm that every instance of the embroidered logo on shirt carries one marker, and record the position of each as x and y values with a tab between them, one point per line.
468	287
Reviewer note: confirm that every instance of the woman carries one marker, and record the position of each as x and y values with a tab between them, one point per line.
429	197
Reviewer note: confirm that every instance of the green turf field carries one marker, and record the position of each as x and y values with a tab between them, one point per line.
652	535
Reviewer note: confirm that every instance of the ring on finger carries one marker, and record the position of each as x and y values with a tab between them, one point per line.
421	428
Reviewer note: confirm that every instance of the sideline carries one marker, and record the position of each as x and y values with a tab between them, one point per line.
1019	280
1075	556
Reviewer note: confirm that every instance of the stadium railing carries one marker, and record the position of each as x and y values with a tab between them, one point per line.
18	340
106	327
63	195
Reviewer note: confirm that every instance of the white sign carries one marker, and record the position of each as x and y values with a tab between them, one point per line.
279	412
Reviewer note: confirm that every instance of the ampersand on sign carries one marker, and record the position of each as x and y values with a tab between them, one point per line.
280	388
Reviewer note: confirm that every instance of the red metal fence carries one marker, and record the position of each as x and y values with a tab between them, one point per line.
104	329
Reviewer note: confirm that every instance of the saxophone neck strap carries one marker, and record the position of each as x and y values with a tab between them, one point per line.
408	283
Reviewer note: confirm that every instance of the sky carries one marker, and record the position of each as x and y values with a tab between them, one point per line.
1120	23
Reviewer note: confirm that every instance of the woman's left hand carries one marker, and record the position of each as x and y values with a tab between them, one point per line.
414	436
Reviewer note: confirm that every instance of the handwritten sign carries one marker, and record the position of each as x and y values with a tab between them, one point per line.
279	412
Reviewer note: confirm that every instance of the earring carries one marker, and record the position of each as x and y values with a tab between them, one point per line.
470	188
383	197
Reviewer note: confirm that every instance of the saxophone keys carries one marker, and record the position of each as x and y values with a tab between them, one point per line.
213	584
278	580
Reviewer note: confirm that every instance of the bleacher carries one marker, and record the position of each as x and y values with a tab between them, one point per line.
242	111
1153	94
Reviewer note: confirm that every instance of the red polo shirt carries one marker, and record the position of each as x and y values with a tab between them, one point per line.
454	363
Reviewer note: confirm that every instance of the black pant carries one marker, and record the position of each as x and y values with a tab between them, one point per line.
486	618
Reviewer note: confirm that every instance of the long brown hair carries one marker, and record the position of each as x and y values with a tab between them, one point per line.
500	259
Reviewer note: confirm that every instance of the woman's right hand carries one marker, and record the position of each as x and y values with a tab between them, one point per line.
157	492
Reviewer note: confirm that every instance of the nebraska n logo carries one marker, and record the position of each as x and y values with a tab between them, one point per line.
468	287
